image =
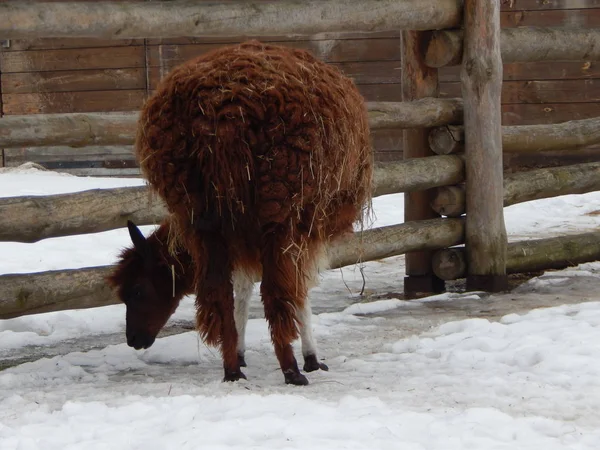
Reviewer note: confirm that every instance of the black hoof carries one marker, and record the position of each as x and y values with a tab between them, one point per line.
311	364
241	360
233	375
295	378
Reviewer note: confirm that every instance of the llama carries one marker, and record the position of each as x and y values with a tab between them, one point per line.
262	156
148	270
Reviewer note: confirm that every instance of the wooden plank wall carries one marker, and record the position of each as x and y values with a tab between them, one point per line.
68	75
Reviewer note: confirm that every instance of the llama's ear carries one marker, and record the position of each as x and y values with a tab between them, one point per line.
138	239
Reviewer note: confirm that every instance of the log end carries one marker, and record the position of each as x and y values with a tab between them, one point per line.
446	140
444	49
449	201
449	263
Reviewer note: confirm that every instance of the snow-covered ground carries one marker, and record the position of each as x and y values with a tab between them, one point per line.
520	370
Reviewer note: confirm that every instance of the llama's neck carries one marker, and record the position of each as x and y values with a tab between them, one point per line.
180	263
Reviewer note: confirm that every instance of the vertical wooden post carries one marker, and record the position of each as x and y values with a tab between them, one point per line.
418	81
3	44
481	78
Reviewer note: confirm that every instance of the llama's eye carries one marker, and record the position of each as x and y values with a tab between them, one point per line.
135	293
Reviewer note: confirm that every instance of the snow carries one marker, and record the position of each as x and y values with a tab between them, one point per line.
451	371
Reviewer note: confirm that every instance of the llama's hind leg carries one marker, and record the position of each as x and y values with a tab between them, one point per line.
215	304
243	285
284	290
309	344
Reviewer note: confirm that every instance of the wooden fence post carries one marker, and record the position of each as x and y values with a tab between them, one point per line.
481	78
418	81
3	44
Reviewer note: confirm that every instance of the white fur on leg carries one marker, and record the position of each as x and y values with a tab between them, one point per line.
243	285
309	344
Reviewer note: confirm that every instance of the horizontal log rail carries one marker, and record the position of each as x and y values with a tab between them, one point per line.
444	115
32	218
571	135
527	256
522	44
70	129
526	186
551	182
423	113
22	294
55	290
417	174
80	130
167	19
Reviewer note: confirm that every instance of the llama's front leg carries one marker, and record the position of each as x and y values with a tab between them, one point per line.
309	345
215	303
243	285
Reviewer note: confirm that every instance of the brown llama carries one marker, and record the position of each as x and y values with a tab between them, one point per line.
261	154
147	270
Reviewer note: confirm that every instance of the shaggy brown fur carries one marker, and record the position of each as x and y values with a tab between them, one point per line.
151	282
143	277
262	156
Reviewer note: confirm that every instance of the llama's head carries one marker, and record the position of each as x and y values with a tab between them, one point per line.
144	282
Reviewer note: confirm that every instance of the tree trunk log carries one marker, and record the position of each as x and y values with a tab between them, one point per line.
393	240
417	174
449	201
530	185
481	77
78	129
524	44
75	130
571	135
450	263
23	294
447	140
418	81
85	288
30	219
551	182
56	290
554	253
169	19
423	113
527	256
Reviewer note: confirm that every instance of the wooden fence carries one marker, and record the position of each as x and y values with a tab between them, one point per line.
60	75
466	134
